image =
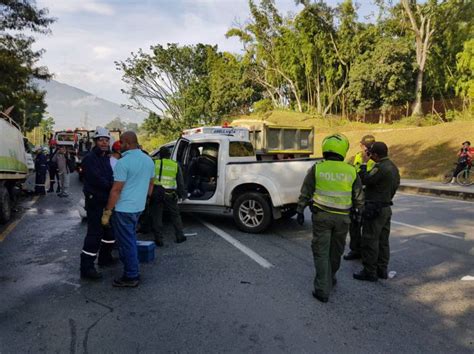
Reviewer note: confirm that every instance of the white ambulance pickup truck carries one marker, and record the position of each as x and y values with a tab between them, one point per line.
222	175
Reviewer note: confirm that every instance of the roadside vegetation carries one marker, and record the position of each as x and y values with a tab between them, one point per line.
421	152
411	59
404	75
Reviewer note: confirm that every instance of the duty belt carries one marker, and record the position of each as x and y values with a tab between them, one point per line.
379	204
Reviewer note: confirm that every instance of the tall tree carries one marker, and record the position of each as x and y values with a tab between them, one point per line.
421	22
18	61
265	39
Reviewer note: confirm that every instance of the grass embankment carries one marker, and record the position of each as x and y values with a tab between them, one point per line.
419	152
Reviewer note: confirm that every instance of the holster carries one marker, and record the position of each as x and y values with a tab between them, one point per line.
372	209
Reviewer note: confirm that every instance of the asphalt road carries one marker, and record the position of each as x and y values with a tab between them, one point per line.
226	291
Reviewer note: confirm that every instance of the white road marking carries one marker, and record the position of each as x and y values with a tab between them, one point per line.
433	197
428	230
244	249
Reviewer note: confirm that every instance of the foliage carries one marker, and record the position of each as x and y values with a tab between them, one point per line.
382	77
263	106
321	60
150	143
183	86
118	123
465	71
47	125
18	61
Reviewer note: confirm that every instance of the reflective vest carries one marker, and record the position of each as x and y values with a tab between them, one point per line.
333	190
168	173
359	161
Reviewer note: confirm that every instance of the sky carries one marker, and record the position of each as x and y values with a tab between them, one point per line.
89	35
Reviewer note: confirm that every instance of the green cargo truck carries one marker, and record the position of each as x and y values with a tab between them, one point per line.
13	164
276	142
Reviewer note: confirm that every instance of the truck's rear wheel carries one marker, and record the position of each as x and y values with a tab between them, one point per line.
5	207
252	212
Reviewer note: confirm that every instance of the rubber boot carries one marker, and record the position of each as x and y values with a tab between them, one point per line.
105	255
51	187
88	270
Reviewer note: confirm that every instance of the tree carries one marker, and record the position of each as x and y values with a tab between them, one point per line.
265	40
184	86
465	69
18	61
171	80
420	17
47	125
231	90
382	77
116	123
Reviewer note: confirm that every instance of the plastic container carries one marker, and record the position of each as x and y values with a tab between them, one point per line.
146	251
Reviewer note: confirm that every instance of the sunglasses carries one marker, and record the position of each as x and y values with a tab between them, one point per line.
103	140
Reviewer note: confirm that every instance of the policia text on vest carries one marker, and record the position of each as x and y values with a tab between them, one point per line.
331	188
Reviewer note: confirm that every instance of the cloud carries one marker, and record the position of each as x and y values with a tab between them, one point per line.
74	6
102	52
87	39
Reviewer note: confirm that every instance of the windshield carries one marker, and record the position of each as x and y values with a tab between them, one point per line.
240	149
65	137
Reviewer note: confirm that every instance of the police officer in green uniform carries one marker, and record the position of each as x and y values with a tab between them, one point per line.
355	230
331	188
381	184
168	189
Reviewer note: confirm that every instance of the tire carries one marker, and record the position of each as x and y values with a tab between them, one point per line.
447	177
288	213
252	212
5	206
464	178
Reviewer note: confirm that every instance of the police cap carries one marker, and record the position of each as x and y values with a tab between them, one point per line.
367	140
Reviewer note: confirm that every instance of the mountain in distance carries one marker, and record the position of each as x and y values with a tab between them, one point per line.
72	107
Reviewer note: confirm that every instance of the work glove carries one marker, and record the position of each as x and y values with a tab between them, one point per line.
106	214
300	218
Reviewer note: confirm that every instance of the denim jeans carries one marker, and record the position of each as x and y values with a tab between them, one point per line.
124	226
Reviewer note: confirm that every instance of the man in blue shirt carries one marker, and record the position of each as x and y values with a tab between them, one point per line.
133	181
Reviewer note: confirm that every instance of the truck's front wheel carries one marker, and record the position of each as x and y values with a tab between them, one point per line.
252	212
5	208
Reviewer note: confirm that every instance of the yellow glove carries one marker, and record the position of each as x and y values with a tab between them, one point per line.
106	214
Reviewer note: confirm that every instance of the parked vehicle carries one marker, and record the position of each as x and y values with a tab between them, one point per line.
255	192
66	138
276	142
13	164
155	154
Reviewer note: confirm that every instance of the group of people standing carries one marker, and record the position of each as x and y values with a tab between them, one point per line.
118	186
59	163
355	197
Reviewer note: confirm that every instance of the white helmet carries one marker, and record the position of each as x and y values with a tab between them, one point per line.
101	133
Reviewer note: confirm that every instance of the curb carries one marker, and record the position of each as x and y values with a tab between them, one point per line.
468	196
